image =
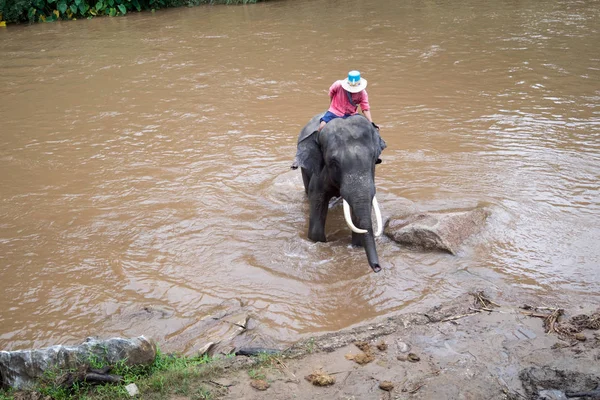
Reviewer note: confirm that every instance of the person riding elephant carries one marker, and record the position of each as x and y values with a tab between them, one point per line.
345	95
339	160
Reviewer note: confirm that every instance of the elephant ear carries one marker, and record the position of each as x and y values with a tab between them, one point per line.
308	154
380	144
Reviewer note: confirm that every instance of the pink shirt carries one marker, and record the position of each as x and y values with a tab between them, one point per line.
340	105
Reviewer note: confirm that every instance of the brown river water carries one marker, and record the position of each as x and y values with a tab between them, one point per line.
145	162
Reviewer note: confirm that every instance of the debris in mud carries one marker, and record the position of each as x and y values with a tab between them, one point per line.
571	329
364	346
551	395
536	380
412	357
482	302
584	321
386	385
319	378
413	385
382	346
362	358
563	345
594	394
550	319
259	384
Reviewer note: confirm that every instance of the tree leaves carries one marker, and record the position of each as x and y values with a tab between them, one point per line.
83	8
53	10
62	6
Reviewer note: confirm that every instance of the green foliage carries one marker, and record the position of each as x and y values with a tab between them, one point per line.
53	10
168	373
6	395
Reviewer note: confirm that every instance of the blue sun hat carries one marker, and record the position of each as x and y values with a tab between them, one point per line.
354	83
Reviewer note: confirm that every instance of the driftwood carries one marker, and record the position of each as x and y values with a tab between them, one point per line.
254	351
88	375
483	302
594	394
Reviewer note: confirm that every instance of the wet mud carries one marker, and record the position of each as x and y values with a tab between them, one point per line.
468	348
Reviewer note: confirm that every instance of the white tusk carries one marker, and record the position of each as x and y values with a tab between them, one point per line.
377	217
349	219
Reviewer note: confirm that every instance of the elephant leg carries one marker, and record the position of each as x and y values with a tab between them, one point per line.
319	205
305	179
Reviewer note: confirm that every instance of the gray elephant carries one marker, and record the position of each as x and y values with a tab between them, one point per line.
340	161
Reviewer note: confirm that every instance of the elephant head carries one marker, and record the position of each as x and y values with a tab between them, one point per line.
340	161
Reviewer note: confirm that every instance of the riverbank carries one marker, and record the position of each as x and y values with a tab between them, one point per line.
450	352
21	11
470	347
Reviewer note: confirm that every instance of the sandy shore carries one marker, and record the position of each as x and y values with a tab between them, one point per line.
449	352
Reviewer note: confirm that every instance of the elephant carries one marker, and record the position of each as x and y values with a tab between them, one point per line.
340	161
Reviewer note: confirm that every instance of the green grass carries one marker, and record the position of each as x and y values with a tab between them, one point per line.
264	363
6	395
310	345
167	374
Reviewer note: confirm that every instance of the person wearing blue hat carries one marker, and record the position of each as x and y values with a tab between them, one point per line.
345	96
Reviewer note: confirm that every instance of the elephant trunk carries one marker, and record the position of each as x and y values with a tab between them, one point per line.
361	216
369	243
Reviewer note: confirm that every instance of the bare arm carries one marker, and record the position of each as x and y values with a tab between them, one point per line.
368	115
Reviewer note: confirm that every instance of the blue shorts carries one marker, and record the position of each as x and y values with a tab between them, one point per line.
329	116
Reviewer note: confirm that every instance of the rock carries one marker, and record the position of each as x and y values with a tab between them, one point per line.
228	328
581	337
20	369
402	347
551	395
132	389
259	384
538	379
386	385
436	231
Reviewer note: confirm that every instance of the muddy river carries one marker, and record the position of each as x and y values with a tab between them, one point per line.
145	162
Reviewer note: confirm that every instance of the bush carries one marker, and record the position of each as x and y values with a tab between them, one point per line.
15	10
52	10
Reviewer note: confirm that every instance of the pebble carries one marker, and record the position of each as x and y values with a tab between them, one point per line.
551	395
386	385
403	347
132	389
259	384
580	336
